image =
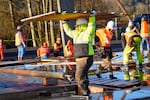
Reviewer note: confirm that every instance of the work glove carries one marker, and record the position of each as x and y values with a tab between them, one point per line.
93	13
64	12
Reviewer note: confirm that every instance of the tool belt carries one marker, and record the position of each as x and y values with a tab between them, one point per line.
81	50
104	52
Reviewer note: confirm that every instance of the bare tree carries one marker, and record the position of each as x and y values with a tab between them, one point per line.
141	8
11	14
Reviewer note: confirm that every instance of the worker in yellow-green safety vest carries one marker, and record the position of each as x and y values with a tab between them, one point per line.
133	41
82	36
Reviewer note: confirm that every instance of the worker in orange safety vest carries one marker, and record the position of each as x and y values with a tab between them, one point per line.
44	51
69	52
104	36
1	50
144	32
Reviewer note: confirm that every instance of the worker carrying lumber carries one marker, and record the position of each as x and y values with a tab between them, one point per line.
1	50
133	41
82	36
103	38
144	32
44	51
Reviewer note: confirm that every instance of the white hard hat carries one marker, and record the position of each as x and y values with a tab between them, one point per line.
81	21
130	23
111	25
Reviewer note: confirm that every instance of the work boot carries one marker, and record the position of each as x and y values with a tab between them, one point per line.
84	90
110	73
126	73
98	71
111	76
133	74
140	72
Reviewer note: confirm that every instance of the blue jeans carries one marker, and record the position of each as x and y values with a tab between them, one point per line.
21	51
145	44
43	56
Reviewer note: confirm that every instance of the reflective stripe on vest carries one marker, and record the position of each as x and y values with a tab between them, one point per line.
144	29
105	37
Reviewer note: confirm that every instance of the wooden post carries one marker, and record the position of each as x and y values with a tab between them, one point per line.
45	22
31	24
51	23
61	26
116	32
39	23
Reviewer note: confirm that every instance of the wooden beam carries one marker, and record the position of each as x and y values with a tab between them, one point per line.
59	75
6	63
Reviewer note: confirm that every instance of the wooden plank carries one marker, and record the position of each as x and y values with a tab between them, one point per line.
27	61
103	82
67	16
96	89
123	84
34	73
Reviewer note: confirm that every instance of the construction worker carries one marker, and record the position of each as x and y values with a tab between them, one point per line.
83	36
69	52
69	49
58	47
104	37
144	32
1	50
44	51
133	41
20	42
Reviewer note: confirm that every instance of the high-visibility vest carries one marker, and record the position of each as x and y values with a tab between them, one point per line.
104	36
144	32
69	48
1	44
43	50
84	37
128	35
19	38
